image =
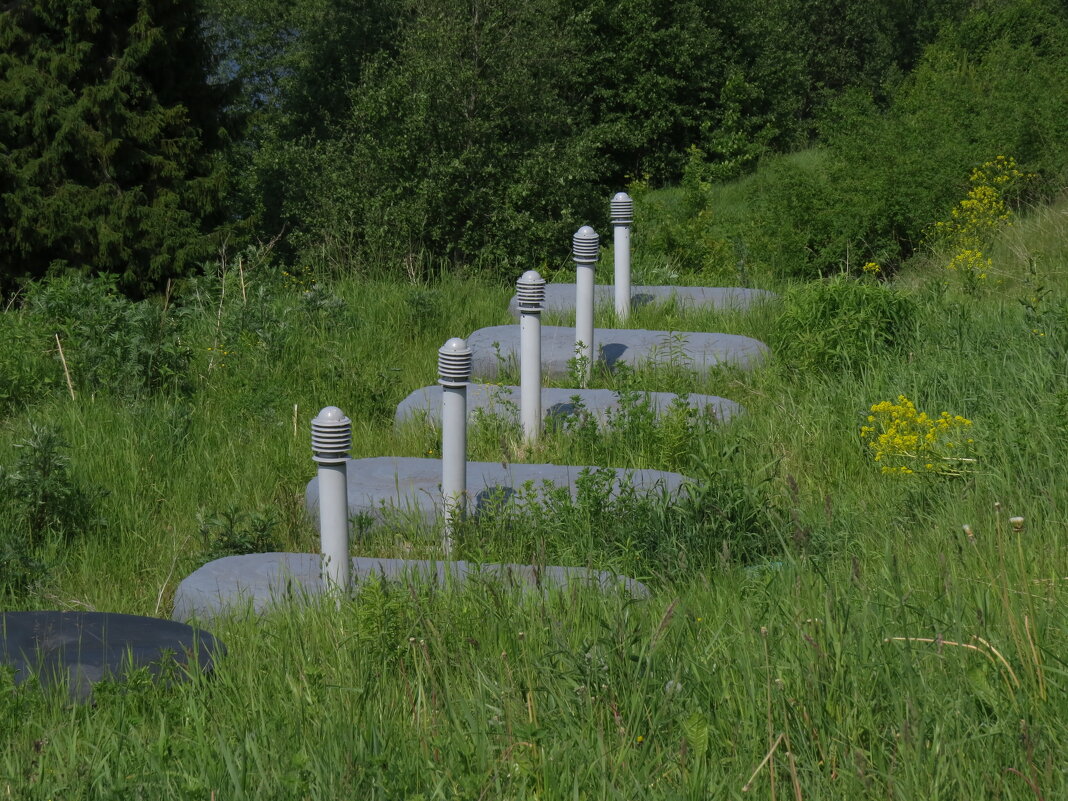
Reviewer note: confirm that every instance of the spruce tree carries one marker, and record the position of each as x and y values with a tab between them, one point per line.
110	134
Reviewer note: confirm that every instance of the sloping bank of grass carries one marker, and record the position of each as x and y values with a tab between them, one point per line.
876	649
931	671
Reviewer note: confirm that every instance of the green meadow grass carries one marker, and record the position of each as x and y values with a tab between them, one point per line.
817	629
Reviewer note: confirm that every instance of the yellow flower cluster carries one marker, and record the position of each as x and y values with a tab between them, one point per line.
871	268
301	279
906	441
976	219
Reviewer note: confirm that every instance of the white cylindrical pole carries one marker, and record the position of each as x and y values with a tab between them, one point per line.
331	441
585	249
454	371
530	293
622	217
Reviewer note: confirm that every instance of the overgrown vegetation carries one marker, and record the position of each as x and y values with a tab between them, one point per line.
861	594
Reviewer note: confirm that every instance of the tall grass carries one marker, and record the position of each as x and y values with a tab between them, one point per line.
875	648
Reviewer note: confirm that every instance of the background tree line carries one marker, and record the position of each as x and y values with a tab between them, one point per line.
138	137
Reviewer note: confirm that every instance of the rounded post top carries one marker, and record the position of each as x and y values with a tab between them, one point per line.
331	436
620	196
585	245
332	414
454	363
531	277
455	345
530	292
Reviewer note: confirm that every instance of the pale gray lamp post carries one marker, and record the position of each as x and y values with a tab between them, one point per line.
530	293
585	250
454	371
331	442
622	217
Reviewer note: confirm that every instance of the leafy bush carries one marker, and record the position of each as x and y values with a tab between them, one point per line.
997	84
28	372
233	532
456	138
841	323
40	499
718	517
109	341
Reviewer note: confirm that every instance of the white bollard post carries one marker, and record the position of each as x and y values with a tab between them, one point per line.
622	217
585	249
530	294
331	441
454	371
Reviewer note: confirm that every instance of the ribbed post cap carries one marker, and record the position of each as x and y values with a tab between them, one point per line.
585	245
622	209
454	363
530	292
331	434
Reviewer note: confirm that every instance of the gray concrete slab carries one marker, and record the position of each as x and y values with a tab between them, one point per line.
256	582
555	402
561	297
404	485
498	346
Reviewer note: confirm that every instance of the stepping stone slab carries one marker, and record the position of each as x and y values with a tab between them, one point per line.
259	581
79	649
410	485
498	346
555	402
561	297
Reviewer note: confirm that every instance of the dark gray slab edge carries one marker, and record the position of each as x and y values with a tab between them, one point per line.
503	400
408	486
256	582
80	649
497	347
561	297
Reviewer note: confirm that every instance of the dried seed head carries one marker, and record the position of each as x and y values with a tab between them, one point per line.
1017	523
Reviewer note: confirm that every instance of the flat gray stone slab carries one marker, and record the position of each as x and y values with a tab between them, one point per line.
561	297
258	581
555	402
498	346
80	649
408	485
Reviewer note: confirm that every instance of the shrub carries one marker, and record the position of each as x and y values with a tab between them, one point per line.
840	323
40	499
109	341
28	372
998	84
234	532
976	220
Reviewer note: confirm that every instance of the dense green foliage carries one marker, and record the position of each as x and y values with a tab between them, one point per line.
995	85
456	133
866	614
840	323
860	594
110	140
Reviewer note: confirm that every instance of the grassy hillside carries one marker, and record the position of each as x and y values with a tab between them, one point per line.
877	633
